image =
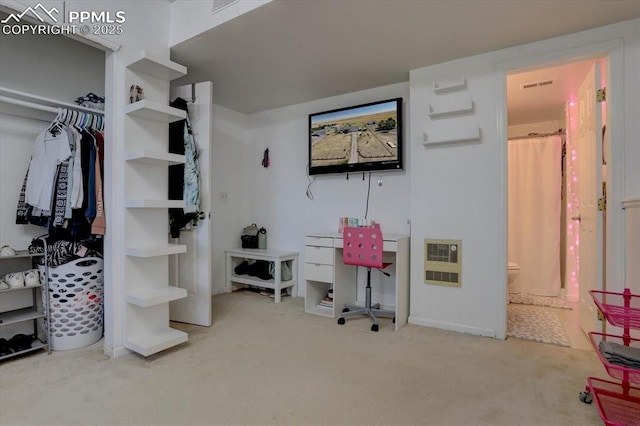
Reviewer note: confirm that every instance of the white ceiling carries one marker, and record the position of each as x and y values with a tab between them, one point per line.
547	102
292	51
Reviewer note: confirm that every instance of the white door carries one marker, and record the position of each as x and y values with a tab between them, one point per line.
192	270
589	152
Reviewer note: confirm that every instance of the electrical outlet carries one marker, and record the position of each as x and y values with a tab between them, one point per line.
224	196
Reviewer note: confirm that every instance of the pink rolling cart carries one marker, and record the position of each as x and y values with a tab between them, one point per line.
618	402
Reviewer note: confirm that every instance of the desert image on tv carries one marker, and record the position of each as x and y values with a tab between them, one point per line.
364	134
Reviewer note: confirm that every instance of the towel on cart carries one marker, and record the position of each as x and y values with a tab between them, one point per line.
619	354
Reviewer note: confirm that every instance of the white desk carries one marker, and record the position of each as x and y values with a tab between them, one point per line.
238	255
324	269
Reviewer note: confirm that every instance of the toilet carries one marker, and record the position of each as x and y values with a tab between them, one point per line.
513	269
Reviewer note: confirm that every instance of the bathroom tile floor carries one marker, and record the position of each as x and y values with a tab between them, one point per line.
571	324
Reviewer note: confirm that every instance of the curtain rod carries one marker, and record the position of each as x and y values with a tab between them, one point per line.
537	135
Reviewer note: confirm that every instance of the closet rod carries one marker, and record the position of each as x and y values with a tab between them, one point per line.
29	100
28	104
537	135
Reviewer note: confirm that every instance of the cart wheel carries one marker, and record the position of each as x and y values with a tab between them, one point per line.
586	397
345	309
394	320
340	321
374	327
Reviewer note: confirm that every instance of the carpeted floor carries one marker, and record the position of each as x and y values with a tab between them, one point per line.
267	364
536	325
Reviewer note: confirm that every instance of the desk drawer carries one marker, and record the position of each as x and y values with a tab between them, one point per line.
315	272
323	255
391	246
318	241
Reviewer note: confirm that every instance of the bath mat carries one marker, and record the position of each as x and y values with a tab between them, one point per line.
536	325
530	299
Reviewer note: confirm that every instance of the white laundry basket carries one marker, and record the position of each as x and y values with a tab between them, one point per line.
75	303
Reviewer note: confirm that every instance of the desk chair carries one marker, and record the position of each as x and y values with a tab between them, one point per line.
363	247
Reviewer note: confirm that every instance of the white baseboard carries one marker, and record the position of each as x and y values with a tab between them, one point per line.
452	327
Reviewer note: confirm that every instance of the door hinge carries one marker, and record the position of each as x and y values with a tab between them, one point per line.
601	95
602	204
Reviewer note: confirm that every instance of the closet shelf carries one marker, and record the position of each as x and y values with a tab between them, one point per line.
154	204
157	67
151	343
155	111
156	251
148	156
146	297
19	315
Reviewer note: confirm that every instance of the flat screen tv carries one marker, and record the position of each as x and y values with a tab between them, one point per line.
359	138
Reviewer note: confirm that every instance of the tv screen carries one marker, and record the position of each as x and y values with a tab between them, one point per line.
359	138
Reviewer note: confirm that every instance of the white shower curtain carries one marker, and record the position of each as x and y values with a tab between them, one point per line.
535	184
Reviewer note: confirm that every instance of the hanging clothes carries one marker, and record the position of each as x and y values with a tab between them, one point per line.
184	179
62	189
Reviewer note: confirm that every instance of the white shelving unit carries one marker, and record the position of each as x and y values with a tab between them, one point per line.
278	257
147	289
19	307
155	111
154	157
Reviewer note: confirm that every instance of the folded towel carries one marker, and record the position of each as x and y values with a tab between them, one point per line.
619	354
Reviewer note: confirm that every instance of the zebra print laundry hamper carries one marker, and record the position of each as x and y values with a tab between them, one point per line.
76	307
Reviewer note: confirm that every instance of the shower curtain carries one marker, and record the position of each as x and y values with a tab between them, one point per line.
535	184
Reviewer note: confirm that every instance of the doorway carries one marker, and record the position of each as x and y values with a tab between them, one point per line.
544	146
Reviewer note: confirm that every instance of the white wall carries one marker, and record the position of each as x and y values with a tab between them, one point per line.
232	174
458	189
278	200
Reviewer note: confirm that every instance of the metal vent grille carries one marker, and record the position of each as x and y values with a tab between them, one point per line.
443	262
536	84
218	5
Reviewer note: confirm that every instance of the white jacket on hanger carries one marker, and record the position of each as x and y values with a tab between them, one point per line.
48	151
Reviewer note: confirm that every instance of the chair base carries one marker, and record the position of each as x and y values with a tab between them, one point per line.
371	310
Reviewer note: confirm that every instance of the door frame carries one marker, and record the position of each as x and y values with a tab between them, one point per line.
611	53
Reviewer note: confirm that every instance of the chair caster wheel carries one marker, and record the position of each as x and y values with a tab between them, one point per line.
340	321
586	397
374	327
345	309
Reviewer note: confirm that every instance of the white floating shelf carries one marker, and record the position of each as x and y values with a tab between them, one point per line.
151	343
156	251
154	204
454	134
447	86
157	67
148	156
460	108
146	297
155	111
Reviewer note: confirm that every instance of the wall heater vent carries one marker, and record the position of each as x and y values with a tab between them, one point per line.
443	262
536	84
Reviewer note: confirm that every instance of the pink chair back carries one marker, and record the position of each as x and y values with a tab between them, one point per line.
362	247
